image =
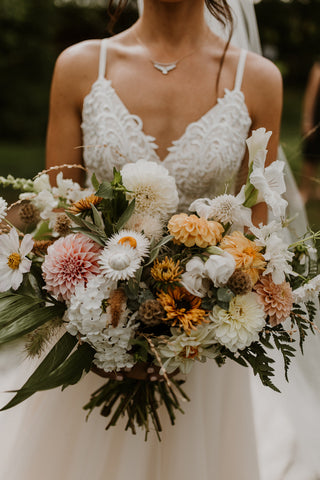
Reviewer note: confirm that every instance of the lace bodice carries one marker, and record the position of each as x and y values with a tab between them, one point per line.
204	160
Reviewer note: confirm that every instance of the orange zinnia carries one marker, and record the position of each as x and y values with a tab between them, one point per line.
192	230
182	308
246	253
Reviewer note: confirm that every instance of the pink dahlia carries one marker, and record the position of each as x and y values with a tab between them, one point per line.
277	300
70	261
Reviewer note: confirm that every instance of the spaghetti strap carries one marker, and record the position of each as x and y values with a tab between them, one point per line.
103	58
240	69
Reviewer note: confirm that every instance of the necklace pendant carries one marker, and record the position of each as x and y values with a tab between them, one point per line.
164	68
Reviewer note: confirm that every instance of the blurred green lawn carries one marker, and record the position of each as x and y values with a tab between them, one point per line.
27	160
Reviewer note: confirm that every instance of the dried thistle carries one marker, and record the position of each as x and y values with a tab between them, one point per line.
151	313
240	282
40	247
28	213
62	224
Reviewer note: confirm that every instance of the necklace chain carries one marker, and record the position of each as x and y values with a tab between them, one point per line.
163	67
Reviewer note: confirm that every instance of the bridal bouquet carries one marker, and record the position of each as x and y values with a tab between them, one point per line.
114	281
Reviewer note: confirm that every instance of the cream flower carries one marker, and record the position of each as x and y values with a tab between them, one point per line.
239	326
193	279
133	239
308	291
278	259
13	260
182	350
257	145
119	262
219	268
153	189
3	208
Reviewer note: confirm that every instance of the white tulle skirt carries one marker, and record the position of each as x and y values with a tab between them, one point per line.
48	438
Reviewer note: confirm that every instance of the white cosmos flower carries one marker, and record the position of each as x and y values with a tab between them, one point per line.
239	326
13	261
119	262
3	208
153	189
263	232
270	184
219	268
193	278
137	241
257	145
224	209
182	350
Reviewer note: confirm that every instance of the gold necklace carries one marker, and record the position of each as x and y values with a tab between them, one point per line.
165	68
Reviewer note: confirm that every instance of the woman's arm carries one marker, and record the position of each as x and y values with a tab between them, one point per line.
74	73
262	87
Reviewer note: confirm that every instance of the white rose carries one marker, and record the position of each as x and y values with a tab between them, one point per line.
219	268
193	278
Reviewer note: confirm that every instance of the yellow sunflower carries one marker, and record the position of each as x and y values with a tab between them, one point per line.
182	308
84	204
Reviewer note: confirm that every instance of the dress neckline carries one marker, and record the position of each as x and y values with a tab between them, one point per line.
152	141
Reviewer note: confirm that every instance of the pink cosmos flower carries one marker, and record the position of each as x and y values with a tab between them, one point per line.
277	299
70	261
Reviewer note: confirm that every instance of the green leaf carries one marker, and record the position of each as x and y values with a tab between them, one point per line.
155	250
97	218
93	236
105	190
55	357
95	182
125	216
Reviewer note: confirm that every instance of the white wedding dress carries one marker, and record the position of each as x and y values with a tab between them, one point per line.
47	438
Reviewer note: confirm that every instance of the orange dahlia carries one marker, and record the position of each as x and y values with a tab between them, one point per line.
84	204
182	308
277	299
246	253
192	230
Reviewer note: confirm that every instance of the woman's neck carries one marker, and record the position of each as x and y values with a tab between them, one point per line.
173	26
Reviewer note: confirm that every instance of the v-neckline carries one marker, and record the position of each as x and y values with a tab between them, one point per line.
152	141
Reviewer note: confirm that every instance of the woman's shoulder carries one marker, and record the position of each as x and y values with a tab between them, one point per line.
80	56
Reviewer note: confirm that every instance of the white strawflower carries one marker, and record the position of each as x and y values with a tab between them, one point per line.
3	208
182	350
130	238
150	225
307	292
13	260
119	262
153	189
239	326
220	267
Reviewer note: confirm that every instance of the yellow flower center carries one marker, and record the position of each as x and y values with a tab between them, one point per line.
14	261
132	242
190	352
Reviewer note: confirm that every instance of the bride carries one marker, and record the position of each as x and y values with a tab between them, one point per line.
170	90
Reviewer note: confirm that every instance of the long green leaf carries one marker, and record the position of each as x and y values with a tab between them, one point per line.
55	357
125	216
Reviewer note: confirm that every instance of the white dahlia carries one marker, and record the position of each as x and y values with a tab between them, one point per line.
239	326
150	225
153	189
135	240
119	262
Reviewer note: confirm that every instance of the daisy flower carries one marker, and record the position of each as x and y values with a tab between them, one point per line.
153	189
13	259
